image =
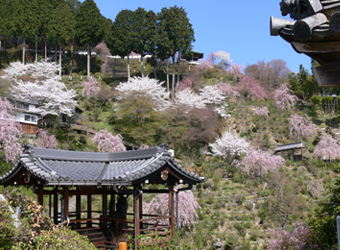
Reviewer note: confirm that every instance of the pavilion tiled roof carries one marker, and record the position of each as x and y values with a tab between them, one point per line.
60	167
291	146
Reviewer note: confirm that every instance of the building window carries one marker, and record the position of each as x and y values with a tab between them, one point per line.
21	105
30	118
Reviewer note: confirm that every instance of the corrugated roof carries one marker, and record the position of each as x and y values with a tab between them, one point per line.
60	167
291	146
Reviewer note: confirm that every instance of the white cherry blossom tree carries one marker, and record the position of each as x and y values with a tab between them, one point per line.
229	147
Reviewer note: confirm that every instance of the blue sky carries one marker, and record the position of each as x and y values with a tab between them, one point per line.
240	27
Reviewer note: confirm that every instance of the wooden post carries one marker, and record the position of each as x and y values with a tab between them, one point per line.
50	205
104	204
66	202
41	195
140	210
89	210
55	206
78	210
136	213
171	210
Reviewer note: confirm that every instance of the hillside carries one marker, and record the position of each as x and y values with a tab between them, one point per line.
243	210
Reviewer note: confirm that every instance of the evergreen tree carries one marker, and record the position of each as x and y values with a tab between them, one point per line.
175	34
120	41
89	27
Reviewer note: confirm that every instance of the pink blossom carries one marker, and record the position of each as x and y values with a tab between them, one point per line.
204	65
187	206
227	89
10	132
107	142
102	49
143	146
299	126
258	163
283	98
186	82
261	111
296	239
235	70
45	140
251	88
327	146
90	88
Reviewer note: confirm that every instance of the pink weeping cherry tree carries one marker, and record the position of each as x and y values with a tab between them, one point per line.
185	83
327	147
107	142
299	126
90	88
228	90
258	163
284	99
261	111
10	133
187	206
251	88
45	140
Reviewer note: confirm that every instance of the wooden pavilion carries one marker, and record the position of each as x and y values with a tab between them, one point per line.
291	148
56	175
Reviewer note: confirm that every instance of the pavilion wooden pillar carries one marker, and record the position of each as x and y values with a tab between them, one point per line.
136	212
41	195
171	210
78	210
55	206
104	204
65	206
89	210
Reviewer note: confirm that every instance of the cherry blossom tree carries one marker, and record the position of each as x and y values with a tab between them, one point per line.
229	147
299	126
10	132
224	58
283	98
189	99
235	70
228	90
212	95
297	239
148	86
186	82
258	163
261	111
48	89
327	146
45	140
204	65
102	50
90	88
187	206
251	88
37	69
106	142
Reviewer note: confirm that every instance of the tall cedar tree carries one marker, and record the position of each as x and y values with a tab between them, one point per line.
62	28
89	27
120	41
175	35
145	32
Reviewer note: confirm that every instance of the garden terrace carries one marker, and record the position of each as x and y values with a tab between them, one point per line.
55	174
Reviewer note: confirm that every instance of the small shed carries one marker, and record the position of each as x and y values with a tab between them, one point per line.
58	174
291	148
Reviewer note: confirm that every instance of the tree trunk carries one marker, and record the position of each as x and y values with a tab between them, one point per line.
128	65
88	60
0	51
36	48
71	57
173	77
60	59
45	50
55	53
167	75
179	65
141	62
23	51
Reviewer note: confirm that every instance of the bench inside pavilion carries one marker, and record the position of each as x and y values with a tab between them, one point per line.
57	176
